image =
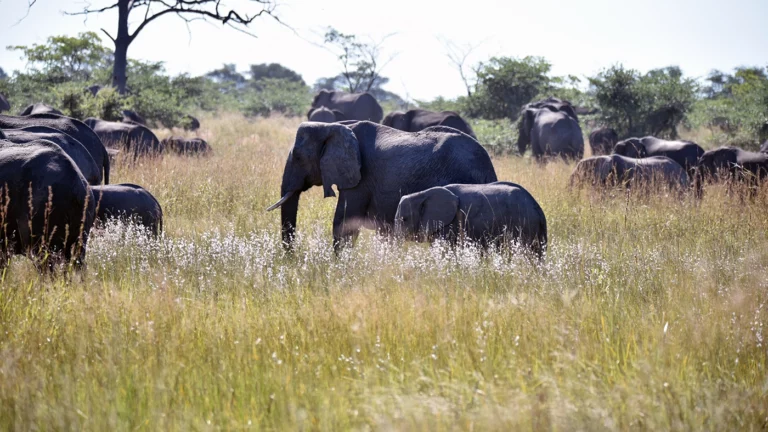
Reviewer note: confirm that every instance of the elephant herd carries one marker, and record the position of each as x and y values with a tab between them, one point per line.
54	181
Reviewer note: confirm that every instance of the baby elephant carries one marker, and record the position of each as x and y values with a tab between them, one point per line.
129	202
493	213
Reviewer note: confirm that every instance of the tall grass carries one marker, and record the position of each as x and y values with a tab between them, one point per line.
648	313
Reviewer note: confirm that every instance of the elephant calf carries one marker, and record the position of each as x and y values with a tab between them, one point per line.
620	170
492	214
325	115
131	203
602	140
187	146
733	162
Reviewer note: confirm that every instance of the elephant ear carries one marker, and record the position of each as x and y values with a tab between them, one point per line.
340	160
524	129
438	209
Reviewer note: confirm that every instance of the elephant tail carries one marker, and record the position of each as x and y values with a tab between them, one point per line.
540	248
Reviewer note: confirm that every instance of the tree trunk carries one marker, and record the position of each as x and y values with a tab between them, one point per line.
122	41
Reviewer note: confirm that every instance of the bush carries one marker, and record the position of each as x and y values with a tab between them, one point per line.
497	136
272	95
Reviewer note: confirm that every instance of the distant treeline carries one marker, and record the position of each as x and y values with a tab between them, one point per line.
73	74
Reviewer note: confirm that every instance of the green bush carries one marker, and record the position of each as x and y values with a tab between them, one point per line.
497	136
271	95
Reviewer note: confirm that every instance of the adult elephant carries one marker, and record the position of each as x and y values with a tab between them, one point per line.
602	140
620	170
552	128
373	166
49	208
72	127
40	108
686	153
354	106
132	138
4	105
133	117
72	147
418	119
325	115
732	162
186	146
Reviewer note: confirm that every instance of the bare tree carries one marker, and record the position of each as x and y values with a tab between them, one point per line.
150	10
458	56
361	61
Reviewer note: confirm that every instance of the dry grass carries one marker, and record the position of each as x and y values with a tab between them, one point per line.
648	314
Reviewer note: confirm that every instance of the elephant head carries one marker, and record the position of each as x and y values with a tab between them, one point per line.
396	120
631	147
322	98
425	212
524	126
322	115
615	171
323	154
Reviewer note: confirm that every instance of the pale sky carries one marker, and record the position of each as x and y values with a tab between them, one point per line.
577	37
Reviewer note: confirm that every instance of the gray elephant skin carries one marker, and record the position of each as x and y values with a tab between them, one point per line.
552	128
72	147
133	117
130	203
418	119
492	214
49	206
4	105
602	141
133	139
620	170
40	108
187	146
733	163
685	153
325	115
72	127
373	166
354	106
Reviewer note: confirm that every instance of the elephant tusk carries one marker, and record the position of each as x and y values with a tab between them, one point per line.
282	201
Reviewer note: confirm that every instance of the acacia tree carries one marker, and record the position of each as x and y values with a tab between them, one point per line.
361	61
148	11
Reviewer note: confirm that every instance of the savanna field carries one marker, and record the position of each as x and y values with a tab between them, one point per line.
648	313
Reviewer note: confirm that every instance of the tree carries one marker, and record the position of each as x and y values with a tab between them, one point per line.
274	71
148	11
67	58
505	84
227	74
3	75
361	61
651	104
459	55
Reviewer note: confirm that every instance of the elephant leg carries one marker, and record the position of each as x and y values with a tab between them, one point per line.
347	221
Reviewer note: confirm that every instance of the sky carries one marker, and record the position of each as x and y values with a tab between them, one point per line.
577	37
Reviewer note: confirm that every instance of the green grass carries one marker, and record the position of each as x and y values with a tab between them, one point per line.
648	314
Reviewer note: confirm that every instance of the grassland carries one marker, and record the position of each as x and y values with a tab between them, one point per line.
649	313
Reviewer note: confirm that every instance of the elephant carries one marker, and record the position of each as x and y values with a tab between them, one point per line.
373	166
72	127
491	214
354	106
48	207
40	108
187	146
131	203
190	123
418	119
686	153
134	139
552	128
612	170
133	117
764	147
4	105
602	140
325	115
732	162
72	147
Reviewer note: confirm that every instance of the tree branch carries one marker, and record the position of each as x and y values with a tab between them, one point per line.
108	35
